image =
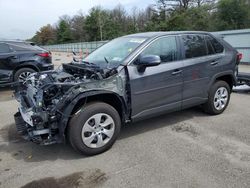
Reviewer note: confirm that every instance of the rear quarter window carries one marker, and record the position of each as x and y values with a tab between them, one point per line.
194	46
218	47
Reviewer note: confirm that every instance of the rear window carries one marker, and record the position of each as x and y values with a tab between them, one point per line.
18	46
195	46
213	43
4	48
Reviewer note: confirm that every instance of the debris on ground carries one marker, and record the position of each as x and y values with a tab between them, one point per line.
184	127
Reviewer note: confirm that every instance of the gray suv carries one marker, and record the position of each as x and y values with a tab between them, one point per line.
128	79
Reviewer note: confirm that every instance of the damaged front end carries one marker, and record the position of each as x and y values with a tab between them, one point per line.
46	99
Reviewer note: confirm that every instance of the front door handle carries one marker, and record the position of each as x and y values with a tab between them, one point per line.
176	72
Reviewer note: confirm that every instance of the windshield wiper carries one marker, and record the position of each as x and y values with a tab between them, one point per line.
107	62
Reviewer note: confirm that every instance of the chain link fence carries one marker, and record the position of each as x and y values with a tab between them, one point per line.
85	47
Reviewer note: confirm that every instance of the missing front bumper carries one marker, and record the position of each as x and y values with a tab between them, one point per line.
41	136
20	124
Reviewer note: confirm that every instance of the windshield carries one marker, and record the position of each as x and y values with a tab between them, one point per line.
114	52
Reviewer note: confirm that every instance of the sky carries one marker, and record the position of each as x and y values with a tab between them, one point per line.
20	19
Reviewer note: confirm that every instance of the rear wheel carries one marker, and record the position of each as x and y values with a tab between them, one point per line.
218	98
22	74
94	129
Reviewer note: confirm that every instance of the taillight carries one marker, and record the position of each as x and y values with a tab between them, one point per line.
239	56
46	54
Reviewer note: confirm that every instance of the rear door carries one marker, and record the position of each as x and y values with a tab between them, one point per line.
199	65
158	89
6	58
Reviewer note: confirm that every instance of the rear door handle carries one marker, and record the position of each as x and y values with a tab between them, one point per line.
13	57
176	72
214	62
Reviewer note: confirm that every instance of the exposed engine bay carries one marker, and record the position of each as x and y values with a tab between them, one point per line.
81	71
46	99
55	83
75	72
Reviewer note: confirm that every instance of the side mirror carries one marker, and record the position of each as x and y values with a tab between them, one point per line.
148	61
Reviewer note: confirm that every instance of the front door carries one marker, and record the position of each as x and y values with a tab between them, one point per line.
158	89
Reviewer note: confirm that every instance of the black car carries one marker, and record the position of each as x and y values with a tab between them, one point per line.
18	59
128	79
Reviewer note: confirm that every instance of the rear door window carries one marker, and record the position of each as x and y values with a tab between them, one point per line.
4	48
194	46
165	48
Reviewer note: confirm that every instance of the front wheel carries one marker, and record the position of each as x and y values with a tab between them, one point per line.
218	98
94	129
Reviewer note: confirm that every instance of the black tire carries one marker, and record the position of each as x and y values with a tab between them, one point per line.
21	71
209	106
78	120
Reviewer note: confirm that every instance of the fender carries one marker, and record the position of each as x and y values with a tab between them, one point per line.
29	64
66	110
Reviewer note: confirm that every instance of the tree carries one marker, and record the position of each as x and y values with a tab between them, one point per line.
165	5
194	18
63	31
232	14
94	23
203	2
45	35
119	18
78	29
164	15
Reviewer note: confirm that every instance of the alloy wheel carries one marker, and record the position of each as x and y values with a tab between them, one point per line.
23	76
220	98
98	130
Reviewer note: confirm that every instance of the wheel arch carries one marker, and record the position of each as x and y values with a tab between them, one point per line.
228	79
110	98
24	66
225	76
79	101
